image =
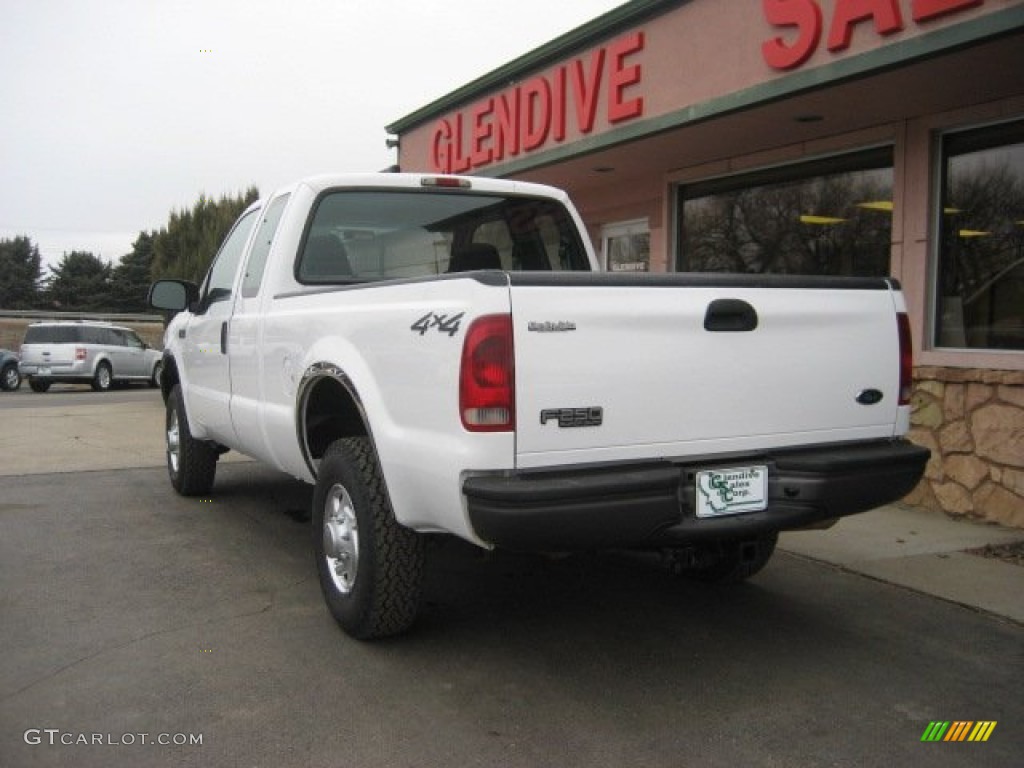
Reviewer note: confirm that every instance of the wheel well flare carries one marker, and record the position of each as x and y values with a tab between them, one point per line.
328	409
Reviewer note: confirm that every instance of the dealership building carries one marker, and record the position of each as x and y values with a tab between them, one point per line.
825	137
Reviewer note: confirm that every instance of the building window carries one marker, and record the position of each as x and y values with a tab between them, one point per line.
827	217
980	296
626	246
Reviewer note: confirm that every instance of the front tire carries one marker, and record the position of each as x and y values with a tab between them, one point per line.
10	377
191	463
370	566
103	378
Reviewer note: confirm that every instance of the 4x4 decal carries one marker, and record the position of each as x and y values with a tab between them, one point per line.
442	323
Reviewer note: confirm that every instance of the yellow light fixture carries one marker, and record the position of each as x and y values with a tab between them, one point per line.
876	205
973	233
809	219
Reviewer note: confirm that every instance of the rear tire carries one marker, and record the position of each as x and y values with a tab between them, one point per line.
191	463
103	378
370	566
730	562
154	380
10	377
39	385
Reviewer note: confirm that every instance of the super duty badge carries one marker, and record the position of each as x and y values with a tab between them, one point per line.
574	417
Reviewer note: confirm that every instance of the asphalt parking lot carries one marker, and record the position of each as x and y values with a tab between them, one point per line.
131	617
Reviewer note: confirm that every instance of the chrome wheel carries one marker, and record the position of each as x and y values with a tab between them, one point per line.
173	442
341	538
11	378
103	378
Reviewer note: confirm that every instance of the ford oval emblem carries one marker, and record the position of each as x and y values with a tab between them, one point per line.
869	397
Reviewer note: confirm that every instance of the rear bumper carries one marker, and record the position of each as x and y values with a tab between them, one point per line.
652	504
70	373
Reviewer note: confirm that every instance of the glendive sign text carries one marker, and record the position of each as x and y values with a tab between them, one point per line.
805	17
539	111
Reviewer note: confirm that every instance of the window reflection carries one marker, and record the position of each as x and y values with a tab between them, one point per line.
981	240
830	217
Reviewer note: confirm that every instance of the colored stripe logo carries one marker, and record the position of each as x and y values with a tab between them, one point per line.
958	730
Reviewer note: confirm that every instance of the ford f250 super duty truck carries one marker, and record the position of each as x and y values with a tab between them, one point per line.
441	355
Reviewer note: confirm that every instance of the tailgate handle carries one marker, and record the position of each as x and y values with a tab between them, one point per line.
730	316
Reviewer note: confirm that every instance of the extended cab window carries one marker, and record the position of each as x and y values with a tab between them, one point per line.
261	247
363	235
221	276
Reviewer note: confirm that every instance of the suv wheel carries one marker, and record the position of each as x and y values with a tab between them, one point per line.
10	378
103	378
39	385
191	463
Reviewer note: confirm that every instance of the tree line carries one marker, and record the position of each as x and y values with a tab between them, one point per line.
83	282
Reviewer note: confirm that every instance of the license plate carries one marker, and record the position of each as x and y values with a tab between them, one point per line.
44	372
732	491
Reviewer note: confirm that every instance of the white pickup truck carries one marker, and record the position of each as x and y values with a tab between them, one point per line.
441	355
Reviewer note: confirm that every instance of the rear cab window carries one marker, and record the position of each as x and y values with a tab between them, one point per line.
369	235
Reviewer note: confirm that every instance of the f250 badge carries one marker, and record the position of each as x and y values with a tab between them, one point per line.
573	417
443	323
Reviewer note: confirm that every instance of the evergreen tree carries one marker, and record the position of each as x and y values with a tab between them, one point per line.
80	282
20	273
187	245
130	279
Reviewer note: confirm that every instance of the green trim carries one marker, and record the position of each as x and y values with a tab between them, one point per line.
606	25
993	25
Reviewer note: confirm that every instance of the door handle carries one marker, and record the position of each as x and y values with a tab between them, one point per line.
730	316
224	338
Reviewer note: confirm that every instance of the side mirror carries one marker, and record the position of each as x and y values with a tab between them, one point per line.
172	295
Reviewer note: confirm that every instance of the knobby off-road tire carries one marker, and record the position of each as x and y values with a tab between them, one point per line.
191	463
370	566
736	561
103	379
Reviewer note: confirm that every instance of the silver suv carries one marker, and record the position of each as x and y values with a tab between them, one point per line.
86	352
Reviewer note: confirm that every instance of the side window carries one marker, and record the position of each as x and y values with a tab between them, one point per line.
131	339
225	265
261	247
111	337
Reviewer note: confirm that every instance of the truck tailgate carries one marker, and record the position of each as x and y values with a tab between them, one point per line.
637	367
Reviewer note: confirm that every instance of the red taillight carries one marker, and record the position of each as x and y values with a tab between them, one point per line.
906	358
487	388
79	353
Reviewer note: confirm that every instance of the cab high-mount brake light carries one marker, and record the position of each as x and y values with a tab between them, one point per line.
445	182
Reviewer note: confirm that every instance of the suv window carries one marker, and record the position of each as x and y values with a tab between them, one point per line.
92	335
131	339
51	334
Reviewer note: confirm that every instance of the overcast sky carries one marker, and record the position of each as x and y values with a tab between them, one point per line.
115	112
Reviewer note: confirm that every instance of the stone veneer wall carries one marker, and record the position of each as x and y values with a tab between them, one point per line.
973	422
